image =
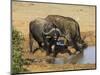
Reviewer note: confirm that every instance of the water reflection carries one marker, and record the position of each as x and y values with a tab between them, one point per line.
86	57
89	56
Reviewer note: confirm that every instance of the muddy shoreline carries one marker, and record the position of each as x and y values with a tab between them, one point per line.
39	62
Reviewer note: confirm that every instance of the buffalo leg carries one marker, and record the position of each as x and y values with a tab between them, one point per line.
37	48
30	42
55	53
54	50
48	51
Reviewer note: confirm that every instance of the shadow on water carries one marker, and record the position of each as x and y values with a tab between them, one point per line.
86	57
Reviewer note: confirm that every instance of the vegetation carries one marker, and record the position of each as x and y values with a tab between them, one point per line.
17	46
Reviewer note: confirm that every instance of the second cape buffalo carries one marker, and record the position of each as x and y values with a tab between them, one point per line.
40	30
70	29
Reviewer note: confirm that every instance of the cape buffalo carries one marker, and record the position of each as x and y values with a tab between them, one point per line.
39	29
70	28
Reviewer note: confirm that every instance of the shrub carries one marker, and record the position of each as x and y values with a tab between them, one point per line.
17	46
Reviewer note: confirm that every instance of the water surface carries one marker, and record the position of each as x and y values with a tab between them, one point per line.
87	57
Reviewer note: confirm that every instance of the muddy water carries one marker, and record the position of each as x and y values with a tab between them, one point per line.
86	57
